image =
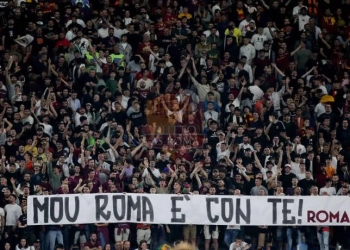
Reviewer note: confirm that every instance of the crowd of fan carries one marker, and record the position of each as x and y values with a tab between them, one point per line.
143	96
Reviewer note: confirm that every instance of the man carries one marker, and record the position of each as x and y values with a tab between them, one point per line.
93	244
307	182
258	186
13	212
247	50
239	244
328	189
259	39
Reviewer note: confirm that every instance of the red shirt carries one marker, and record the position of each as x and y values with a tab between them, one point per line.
168	18
92	245
138	75
145	54
282	62
64	43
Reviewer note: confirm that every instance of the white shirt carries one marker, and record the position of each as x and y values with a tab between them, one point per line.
267	33
47	129
13	212
127	20
257	92
2	214
248	68
296	9
319	109
119	32
302	21
330	191
248	51
211	114
29	119
244	26
234	247
178	115
125	101
103	33
75	104
324	90
70	35
77	119
276	98
154	171
83	46
300	148
245	146
98	67
221	154
215	8
295	169
152	58
208	32
258	41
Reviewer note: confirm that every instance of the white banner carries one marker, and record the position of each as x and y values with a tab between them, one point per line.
24	40
188	209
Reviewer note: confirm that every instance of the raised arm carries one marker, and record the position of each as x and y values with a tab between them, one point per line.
295	51
277	69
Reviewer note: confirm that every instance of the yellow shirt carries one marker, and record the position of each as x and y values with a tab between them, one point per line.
34	150
235	32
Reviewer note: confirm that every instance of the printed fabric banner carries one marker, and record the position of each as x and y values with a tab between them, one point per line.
188	209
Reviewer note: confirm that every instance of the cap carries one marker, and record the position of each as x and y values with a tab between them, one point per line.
26	124
287	165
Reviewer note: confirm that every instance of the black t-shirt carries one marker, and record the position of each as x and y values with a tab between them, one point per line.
222	191
23	220
23	200
15	175
138	119
276	128
120	117
286	180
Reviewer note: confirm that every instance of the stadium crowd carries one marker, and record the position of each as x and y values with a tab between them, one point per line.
229	97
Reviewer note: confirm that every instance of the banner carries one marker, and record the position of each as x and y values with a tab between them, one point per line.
188	209
24	40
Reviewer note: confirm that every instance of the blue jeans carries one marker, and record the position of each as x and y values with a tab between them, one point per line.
323	239
230	236
290	237
102	239
52	236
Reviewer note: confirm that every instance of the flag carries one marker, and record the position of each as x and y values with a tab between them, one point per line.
164	246
24	40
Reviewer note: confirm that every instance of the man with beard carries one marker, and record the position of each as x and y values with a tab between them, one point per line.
93	243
